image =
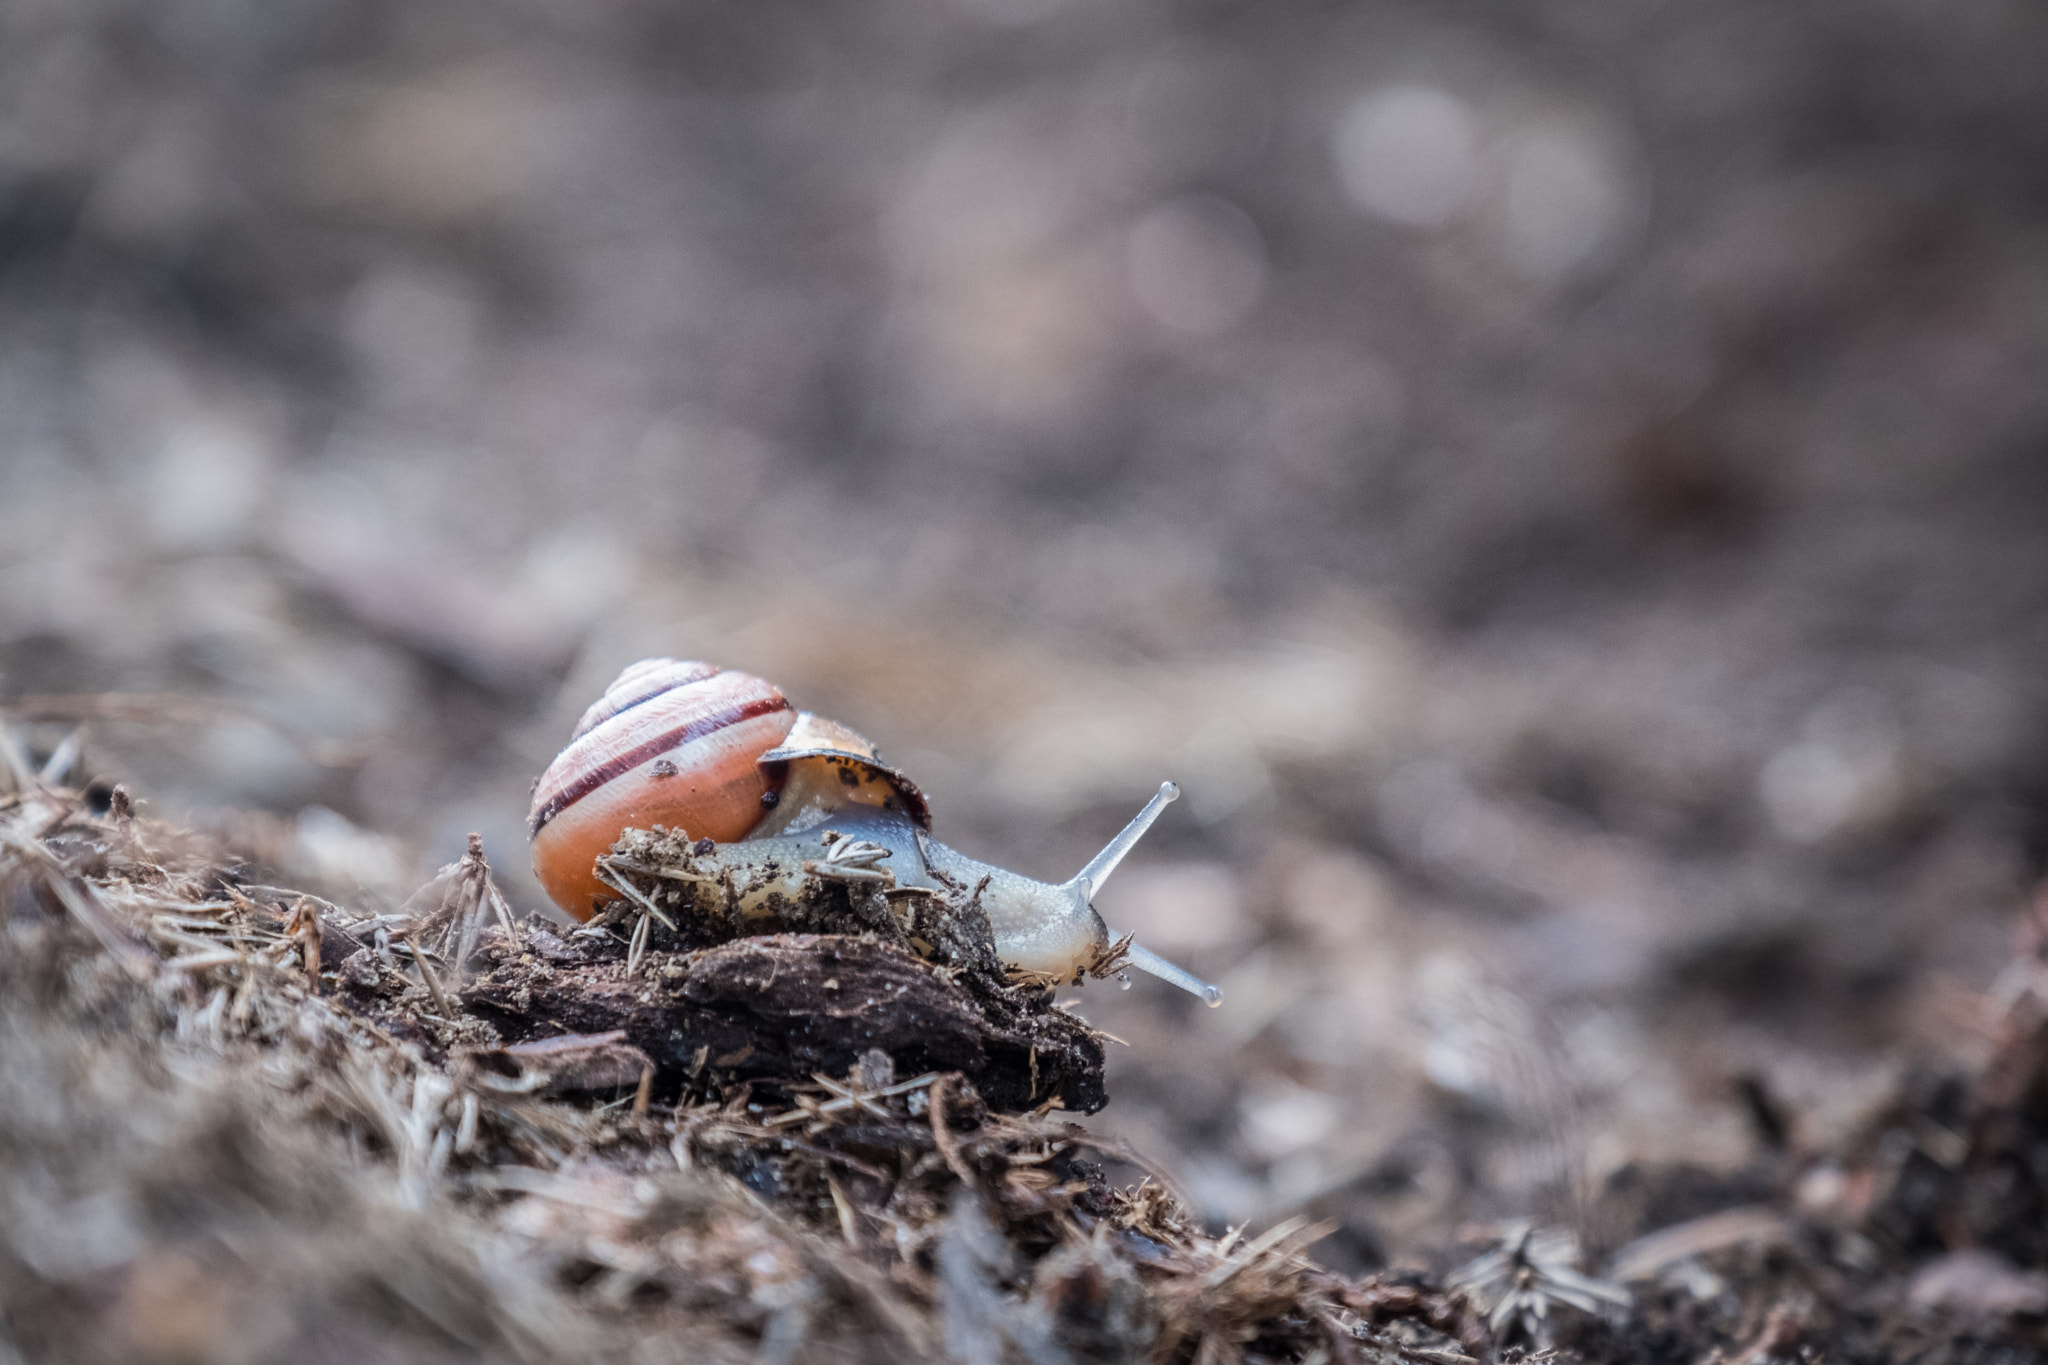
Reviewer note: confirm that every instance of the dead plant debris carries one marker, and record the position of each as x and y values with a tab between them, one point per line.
243	1122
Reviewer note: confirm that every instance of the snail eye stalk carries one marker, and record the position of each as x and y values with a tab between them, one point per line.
1091	877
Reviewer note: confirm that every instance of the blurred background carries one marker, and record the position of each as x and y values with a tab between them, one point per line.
1562	487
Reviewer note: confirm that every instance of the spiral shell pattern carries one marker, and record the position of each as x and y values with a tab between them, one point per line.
670	743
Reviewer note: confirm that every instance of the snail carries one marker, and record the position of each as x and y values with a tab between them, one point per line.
774	802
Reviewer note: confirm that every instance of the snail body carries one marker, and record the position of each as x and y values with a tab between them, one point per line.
774	802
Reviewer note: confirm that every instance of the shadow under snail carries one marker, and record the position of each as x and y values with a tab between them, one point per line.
779	800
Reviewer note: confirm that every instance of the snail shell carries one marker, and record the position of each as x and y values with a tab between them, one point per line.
674	744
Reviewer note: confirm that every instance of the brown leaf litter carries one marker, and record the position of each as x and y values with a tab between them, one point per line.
245	1122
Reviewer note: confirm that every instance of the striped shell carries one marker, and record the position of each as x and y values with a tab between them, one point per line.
672	744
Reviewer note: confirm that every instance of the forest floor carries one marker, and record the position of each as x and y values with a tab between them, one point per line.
244	1122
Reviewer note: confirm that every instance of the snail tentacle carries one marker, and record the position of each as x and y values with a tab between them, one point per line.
1089	880
1145	960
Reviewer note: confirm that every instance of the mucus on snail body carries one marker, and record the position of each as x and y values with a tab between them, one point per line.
778	800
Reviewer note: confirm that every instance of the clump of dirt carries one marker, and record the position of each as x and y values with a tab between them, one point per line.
779	1008
715	997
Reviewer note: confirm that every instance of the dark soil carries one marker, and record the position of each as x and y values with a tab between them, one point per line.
784	1006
